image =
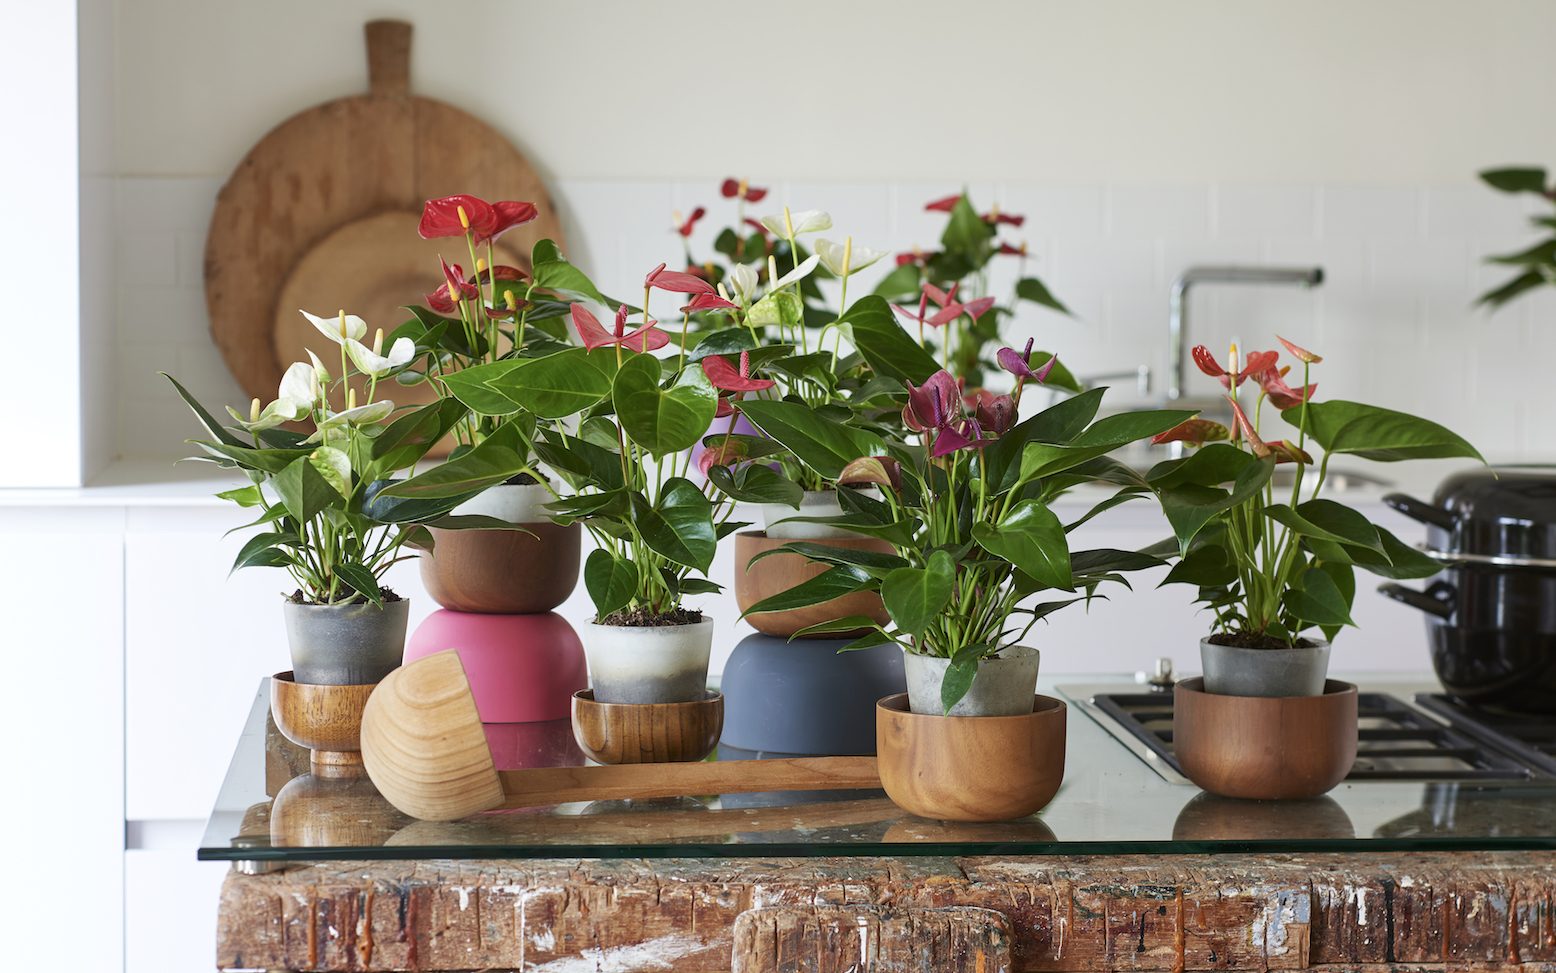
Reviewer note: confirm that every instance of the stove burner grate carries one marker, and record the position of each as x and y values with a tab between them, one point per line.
1530	738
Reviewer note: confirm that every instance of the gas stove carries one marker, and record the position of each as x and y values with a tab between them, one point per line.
1405	734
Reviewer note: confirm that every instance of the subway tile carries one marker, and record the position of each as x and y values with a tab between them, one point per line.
1265	211
146	258
1071	213
1476	210
1370	212
1152	212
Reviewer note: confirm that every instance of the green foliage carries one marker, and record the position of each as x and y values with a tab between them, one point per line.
1536	264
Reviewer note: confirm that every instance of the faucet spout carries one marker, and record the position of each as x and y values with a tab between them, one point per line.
1178	308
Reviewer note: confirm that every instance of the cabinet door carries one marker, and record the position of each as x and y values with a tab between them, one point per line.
170	911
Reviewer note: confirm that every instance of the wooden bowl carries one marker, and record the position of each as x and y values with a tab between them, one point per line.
325	719
779	572
316	811
647	733
1264	747
502	572
970	768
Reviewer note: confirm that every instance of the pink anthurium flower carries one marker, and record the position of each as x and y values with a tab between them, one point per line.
977	309
593	334
1286	452
1281	395
1245	429
690	223
1257	362
1019	363
1195	431
677	281
923	306
726	378
709	302
457	215
1300	353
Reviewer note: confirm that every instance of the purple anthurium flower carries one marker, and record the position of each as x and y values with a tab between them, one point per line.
933	405
1019	364
957	436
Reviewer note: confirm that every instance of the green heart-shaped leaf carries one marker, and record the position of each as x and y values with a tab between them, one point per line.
914	596
611	581
680	527
1032	538
662	420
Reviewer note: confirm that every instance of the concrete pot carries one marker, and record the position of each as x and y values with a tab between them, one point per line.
522	668
816	503
504	571
804	698
1231	670
649	664
345	645
1004	685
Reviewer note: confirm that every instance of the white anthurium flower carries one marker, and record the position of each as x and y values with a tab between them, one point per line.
300	384
743	279
360	415
321	374
835	255
338	328
294	400
797	274
805	221
370	362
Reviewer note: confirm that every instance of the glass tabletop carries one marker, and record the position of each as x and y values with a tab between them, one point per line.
271	809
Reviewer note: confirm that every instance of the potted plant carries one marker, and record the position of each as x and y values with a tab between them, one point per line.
1276	565
493	321
319	499
967	512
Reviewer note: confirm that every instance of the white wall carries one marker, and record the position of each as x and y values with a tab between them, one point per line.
1137	137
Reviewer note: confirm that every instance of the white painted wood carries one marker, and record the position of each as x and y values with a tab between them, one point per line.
169	896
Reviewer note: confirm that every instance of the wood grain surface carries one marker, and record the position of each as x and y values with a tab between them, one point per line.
1380	913
325	719
778	573
1264	747
502	572
647	733
384	152
971	768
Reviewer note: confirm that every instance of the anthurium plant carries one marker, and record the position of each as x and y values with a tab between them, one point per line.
943	293
1273	561
318	495
966	506
1535	265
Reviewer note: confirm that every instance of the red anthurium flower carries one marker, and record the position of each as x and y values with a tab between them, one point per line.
593	334
510	213
690	223
1245	428
1257	362
1019	363
996	413
442	217
932	405
709	302
1009	250
758	227
731	188
880	470
923	305
1207	363
677	281
943	205
946	315
955	437
502	272
1196	431
454	282
910	257
726	378
1281	395
1286	452
1300	353
1009	219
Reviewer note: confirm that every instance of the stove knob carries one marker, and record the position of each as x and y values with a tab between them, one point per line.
1161	680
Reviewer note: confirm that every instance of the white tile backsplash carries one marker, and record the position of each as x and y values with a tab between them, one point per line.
1393	317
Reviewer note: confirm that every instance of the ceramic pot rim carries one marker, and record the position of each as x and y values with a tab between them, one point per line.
1333	689
687	627
895	707
399	604
711	697
289	679
1319	644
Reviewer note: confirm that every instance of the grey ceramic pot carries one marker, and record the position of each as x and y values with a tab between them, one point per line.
1004	685
345	645
803	698
1231	670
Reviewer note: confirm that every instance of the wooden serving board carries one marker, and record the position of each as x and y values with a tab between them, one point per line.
322	212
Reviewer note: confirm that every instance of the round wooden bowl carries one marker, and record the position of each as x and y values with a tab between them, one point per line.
970	768
325	719
779	572
1211	817
1264	747
312	811
647	733
502	572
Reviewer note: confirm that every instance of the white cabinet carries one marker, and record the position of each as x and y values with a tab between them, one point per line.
170	905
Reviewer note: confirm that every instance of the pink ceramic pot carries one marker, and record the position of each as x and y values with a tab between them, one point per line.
522	668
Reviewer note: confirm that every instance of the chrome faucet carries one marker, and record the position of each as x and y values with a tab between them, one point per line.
1178	316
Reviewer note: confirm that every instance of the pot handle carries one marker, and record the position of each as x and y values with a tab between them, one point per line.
1418	510
1436	600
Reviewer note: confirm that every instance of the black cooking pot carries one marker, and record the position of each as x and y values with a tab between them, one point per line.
1491	614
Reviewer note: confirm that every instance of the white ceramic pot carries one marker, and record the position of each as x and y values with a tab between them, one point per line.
1004	685
514	503
648	664
816	503
1232	670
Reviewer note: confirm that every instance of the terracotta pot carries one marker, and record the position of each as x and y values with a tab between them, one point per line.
325	719
1264	747
504	571
971	768
776	517
647	733
522	668
779	572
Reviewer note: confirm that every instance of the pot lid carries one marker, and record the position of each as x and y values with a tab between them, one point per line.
1506	512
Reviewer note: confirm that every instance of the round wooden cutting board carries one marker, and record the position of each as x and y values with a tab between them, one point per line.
321	214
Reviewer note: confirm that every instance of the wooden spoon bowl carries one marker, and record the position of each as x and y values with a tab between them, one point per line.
647	733
325	719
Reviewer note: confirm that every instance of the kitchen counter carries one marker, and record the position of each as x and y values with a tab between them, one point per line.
1126	868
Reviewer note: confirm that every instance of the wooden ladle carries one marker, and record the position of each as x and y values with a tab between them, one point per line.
425	750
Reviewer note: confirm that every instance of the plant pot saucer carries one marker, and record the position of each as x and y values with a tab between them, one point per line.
644	733
327	720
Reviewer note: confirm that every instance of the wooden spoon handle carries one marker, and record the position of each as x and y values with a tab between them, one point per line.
560	785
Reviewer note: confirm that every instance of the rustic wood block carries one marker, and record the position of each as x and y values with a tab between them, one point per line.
834	939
